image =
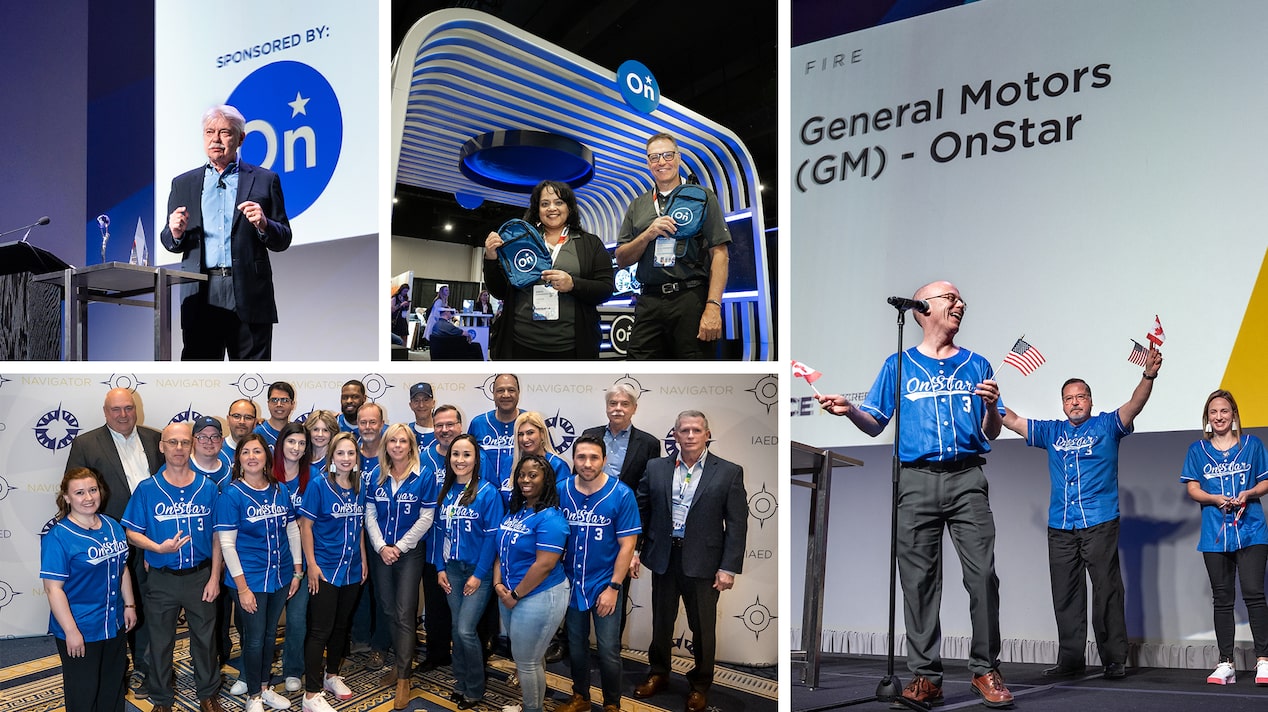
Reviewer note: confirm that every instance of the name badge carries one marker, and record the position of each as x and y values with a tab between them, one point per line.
545	303
664	251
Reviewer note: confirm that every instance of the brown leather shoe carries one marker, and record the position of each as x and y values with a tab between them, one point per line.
990	687
697	701
388	678
402	694
161	708
921	690
611	708
211	704
576	704
653	684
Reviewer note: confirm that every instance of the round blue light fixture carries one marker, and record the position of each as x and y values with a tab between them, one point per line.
517	160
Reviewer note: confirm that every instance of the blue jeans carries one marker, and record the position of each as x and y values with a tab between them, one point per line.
296	631
259	636
531	624
397	589
468	658
607	638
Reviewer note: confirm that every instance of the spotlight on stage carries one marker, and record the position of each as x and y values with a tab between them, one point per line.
517	160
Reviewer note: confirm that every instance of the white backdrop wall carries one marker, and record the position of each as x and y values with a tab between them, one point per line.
41	414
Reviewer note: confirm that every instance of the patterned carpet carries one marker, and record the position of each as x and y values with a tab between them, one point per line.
35	685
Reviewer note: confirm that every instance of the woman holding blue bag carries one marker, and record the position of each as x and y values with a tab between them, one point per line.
555	315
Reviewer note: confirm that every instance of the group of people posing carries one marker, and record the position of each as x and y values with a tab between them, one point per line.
953	411
294	517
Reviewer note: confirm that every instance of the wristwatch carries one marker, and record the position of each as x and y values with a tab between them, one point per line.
615	586
514	595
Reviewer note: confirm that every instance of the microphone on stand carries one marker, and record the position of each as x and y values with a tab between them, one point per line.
904	304
103	222
42	221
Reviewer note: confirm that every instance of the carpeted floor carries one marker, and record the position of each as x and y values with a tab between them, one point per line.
31	681
843	679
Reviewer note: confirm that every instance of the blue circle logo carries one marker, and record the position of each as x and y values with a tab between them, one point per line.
294	128
637	86
525	260
56	428
561	432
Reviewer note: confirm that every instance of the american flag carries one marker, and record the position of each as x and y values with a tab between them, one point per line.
1137	356
1155	335
1024	357
801	370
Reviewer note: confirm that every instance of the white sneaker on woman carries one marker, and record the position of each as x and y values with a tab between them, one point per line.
1224	674
255	705
274	700
239	687
317	704
335	686
1261	673
293	684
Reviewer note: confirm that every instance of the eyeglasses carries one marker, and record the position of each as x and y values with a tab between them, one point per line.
240	417
280	401
204	439
1076	397
953	298
663	156
179	443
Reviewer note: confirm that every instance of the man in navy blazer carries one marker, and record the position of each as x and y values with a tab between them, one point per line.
224	217
103	451
695	521
629	449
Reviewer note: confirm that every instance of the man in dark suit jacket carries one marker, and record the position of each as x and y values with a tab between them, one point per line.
224	217
103	450
695	521
638	446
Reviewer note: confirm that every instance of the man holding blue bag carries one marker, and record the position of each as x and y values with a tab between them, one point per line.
679	240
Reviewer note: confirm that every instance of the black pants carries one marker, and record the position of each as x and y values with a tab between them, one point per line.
665	327
439	623
1071	553
165	595
139	636
329	618
1225	568
95	682
210	333
700	599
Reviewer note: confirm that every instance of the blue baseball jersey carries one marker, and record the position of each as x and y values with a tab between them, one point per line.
424	440
497	441
560	465
942	419
348	427
91	564
1229	473
367	464
160	510
524	533
598	521
260	519
220	475
1083	467
467	531
269	432
396	512
338	515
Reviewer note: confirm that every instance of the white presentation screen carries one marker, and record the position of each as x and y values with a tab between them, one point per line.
1076	168
305	76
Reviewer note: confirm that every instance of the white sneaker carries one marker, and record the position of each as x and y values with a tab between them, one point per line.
513	708
1224	674
334	685
317	704
274	700
293	684
239	687
255	705
1261	673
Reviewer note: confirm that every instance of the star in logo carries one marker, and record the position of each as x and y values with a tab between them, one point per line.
6	594
756	618
56	428
123	380
766	391
762	505
250	385
298	106
5	487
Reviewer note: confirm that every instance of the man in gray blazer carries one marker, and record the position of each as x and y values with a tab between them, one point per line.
124	454
695	519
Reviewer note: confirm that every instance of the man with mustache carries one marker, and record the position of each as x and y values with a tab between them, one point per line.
224	217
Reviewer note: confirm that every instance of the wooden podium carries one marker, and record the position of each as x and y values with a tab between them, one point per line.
115	283
818	463
29	316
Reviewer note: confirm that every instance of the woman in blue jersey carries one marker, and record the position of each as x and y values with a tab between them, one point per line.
1227	472
293	466
83	562
399	510
470	511
259	542
321	426
533	438
529	580
331	520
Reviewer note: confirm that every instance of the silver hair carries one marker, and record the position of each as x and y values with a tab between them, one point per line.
237	122
622	388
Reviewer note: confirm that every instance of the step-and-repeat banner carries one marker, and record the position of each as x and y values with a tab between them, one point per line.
40	415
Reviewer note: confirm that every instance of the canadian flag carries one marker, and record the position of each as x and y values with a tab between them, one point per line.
800	369
1155	335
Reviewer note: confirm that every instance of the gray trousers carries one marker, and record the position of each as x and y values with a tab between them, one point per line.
165	595
929	503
